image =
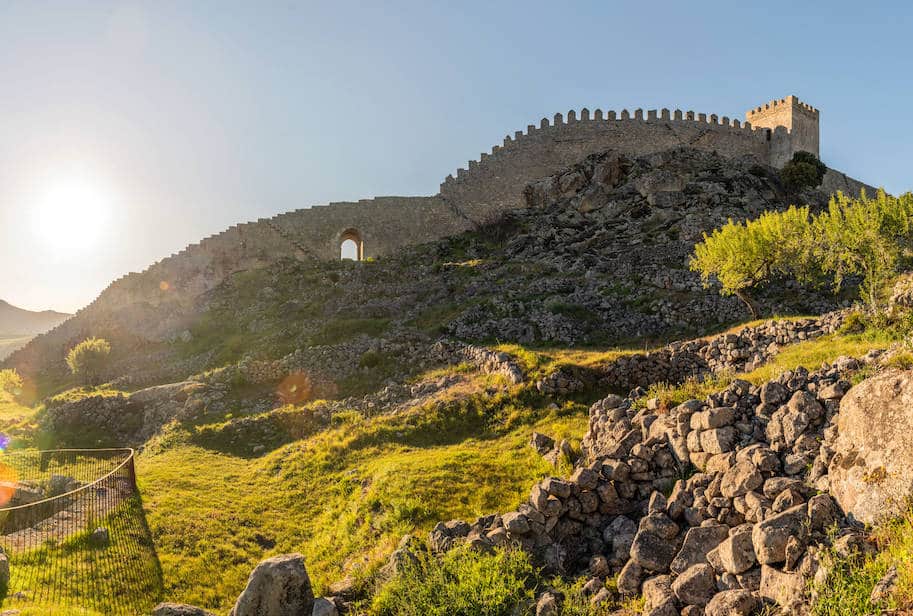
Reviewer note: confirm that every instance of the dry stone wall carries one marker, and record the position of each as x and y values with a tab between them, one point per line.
740	351
746	527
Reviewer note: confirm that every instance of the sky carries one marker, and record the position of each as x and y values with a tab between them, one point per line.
129	130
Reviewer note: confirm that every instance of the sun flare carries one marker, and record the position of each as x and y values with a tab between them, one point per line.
72	214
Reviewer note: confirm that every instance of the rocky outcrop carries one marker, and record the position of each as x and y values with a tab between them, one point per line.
872	467
746	527
278	586
740	351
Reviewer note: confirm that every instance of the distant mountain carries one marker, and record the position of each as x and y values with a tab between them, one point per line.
19	322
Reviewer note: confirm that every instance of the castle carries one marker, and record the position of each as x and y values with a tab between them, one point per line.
770	133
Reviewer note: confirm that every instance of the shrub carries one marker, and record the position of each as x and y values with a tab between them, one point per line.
460	583
742	255
88	359
803	171
10	382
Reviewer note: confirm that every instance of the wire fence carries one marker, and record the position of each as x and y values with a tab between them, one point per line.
74	534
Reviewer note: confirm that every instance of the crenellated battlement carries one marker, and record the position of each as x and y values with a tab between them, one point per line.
594	120
790	101
168	289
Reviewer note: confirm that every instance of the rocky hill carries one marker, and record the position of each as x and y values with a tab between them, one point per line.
19	322
18	326
598	256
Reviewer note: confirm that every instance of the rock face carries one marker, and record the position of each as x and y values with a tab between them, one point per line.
872	469
278	586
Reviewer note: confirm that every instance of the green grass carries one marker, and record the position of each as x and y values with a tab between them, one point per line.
810	354
78	577
344	496
849	585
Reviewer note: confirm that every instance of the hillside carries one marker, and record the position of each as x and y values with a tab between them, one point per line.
597	257
18	326
19	322
366	413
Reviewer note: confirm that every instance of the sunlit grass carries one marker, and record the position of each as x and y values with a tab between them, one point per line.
849	584
344	496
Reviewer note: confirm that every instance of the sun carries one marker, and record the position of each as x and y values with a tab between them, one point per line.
72	215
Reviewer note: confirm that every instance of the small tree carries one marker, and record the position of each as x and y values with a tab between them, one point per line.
863	237
804	170
87	360
10	382
741	256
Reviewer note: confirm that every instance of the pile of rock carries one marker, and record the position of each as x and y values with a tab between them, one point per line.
485	359
562	382
746	528
741	351
752	346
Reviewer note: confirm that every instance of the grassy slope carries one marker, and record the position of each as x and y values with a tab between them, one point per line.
343	497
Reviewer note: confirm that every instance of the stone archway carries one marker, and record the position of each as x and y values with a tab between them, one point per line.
351	245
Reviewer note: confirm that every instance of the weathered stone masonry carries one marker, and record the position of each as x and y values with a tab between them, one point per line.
489	186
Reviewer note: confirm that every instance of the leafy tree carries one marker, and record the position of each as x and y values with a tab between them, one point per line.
864	237
88	359
743	255
10	382
804	170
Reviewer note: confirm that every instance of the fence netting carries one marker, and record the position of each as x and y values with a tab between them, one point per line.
74	534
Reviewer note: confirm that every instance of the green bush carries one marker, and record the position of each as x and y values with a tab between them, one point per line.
803	171
10	382
460	583
88	359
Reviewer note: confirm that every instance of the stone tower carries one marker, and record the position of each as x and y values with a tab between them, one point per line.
793	127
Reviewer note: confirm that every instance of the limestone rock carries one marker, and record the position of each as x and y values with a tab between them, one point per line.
733	603
741	479
698	542
278	586
179	609
324	607
696	586
871	473
736	553
771	536
783	588
652	552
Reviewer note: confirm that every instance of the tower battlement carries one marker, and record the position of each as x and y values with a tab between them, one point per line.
793	124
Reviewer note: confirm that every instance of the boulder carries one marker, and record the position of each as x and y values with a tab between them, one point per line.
696	586
772	536
783	588
698	542
871	473
733	603
179	609
324	607
736	553
278	586
652	552
740	479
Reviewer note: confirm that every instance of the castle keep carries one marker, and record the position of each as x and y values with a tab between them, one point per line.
770	133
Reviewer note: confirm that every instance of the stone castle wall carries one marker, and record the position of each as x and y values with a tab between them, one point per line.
168	289
497	179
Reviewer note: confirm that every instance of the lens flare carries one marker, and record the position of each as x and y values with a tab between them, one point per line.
296	388
9	481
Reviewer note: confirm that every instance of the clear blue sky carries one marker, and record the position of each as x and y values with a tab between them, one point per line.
186	117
